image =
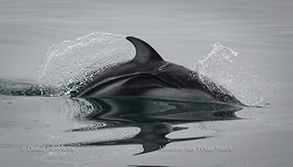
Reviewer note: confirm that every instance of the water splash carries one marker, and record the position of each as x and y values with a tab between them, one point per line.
219	50
24	88
222	66
71	64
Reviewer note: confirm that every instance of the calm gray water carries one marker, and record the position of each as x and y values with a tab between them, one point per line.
31	127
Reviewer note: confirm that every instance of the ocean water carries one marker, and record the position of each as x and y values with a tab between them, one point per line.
50	47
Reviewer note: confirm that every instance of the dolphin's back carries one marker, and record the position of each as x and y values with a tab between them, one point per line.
148	75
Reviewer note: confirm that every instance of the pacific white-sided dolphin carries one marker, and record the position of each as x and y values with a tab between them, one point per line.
148	75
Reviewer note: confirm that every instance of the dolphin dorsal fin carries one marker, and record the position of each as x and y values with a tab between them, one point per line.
144	52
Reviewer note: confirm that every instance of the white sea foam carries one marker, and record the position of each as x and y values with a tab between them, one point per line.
72	62
222	66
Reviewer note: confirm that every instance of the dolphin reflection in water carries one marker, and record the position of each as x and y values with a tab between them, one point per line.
155	118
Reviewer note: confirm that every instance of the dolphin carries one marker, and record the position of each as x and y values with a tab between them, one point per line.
148	75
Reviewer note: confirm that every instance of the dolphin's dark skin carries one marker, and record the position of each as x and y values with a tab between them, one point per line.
147	75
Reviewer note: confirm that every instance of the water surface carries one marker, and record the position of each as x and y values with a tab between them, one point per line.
32	123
